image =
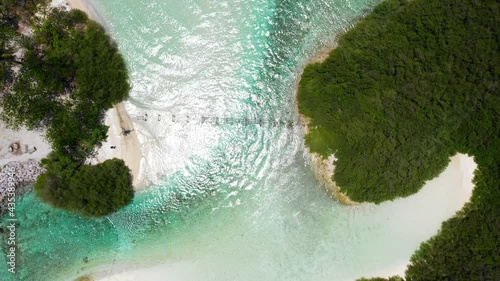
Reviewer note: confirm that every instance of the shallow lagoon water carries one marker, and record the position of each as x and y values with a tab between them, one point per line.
227	201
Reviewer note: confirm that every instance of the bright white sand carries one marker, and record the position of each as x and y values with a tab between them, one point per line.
454	185
32	147
75	4
58	3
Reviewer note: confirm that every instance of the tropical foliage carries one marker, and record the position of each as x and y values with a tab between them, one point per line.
409	86
69	75
392	278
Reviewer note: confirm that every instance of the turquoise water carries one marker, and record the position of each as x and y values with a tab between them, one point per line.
238	202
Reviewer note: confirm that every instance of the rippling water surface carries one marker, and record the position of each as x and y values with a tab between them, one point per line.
237	202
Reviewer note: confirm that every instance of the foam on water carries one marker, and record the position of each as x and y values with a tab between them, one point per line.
228	202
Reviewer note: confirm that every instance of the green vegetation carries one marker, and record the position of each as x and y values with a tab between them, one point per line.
13	12
392	278
71	72
409	86
69	75
391	97
86	189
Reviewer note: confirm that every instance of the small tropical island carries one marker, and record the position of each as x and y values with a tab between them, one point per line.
60	77
409	86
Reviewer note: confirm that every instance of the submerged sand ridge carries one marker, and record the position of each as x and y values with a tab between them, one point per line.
21	151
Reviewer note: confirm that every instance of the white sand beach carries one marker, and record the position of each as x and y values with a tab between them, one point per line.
323	168
173	271
450	190
30	145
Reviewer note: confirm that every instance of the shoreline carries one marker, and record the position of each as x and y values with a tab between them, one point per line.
128	147
448	191
131	154
120	146
21	152
323	168
167	270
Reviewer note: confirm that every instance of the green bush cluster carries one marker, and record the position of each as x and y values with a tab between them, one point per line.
389	98
70	74
409	86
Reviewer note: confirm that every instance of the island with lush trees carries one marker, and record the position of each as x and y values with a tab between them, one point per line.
409	86
69	74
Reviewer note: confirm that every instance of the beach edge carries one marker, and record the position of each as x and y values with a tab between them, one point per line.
131	152
322	168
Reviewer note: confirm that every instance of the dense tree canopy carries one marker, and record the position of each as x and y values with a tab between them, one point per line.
12	13
69	75
410	85
389	99
92	191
